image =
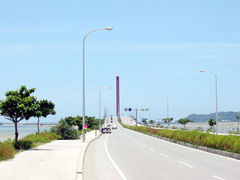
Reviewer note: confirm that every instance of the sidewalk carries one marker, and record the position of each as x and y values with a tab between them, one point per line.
57	160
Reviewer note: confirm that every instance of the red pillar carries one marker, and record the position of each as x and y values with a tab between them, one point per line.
117	97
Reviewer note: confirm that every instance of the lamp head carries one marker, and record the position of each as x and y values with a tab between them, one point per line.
108	28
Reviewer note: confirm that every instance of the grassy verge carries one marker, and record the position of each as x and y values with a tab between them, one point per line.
9	148
224	142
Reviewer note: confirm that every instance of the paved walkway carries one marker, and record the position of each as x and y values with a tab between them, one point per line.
57	160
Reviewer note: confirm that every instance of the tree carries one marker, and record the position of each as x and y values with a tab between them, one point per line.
211	123
91	122
144	121
44	108
167	120
184	121
238	117
18	105
151	122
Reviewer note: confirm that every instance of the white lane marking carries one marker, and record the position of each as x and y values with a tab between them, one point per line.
164	155
112	161
150	149
185	164
217	177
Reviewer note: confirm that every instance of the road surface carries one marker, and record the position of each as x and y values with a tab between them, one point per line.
127	154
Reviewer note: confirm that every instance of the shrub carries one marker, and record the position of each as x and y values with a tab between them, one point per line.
64	130
7	150
43	137
23	144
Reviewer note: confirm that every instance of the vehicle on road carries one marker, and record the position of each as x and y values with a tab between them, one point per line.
106	130
114	126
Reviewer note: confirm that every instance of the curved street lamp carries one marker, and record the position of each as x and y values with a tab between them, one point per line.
215	77
83	76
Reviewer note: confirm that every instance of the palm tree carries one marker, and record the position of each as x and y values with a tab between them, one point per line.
151	122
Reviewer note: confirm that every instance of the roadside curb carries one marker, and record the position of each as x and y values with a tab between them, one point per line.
79	172
201	148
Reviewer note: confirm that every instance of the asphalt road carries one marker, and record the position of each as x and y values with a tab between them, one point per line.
126	154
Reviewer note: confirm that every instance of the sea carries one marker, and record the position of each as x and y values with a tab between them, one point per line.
223	127
8	131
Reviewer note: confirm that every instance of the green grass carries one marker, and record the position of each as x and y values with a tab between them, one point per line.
228	143
43	137
9	148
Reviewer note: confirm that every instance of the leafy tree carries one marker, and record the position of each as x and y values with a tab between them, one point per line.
184	121
211	123
144	121
44	108
167	120
18	105
151	122
91	122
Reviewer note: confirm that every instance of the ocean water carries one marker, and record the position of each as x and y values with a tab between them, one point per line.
223	127
9	131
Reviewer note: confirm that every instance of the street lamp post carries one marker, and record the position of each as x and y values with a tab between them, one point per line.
216	92
83	77
100	93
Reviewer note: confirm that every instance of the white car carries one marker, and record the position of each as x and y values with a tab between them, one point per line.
114	126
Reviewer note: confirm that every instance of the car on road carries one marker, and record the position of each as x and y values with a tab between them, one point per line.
114	126
106	130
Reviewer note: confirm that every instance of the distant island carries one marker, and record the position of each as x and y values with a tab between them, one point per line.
222	116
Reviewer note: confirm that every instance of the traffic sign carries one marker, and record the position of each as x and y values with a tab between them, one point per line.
85	126
125	109
129	109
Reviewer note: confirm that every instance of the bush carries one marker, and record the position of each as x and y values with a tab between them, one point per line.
64	130
7	150
43	137
23	144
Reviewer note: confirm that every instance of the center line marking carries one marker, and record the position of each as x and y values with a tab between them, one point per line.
217	177
185	164
112	161
164	155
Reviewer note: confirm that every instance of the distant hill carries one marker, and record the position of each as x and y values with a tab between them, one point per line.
222	116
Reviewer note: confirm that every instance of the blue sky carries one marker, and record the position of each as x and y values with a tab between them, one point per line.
156	47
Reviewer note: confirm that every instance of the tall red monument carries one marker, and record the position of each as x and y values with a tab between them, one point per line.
117	97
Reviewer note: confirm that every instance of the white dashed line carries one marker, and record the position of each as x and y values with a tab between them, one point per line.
185	164
217	177
112	161
164	155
